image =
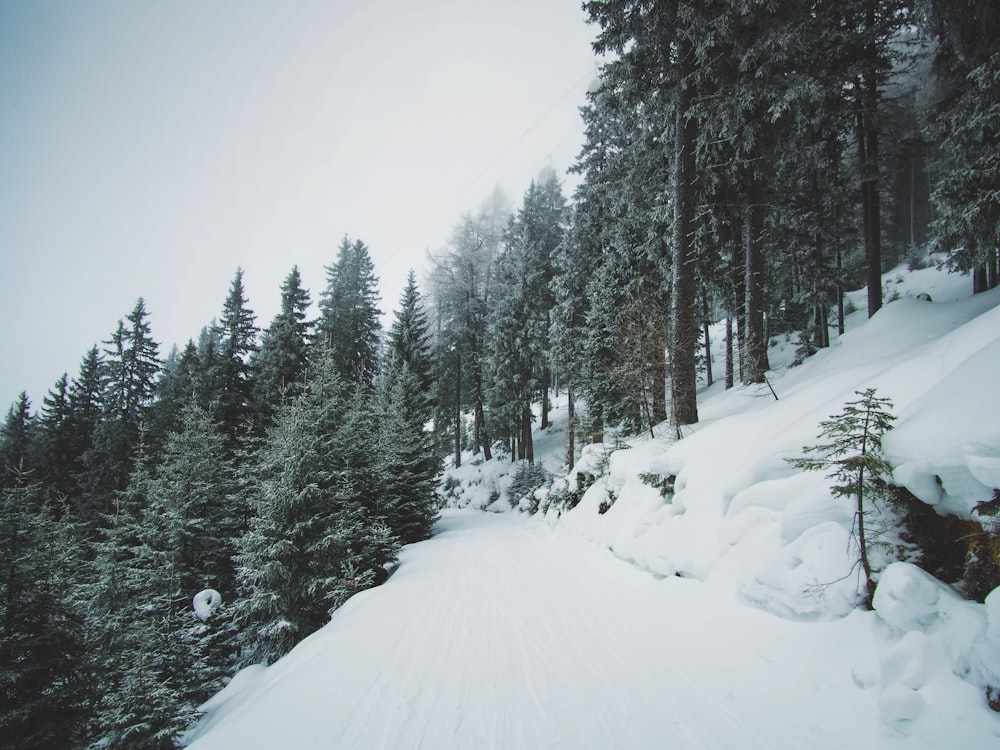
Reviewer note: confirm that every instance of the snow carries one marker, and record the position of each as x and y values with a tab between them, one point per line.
722	614
205	603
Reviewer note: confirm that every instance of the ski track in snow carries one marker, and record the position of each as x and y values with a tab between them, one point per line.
502	633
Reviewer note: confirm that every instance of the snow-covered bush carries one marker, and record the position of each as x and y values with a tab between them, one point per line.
528	478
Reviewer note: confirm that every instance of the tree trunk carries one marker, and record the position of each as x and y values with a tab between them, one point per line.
868	155
570	429
980	277
708	343
659	385
527	448
840	291
729	352
546	377
755	344
458	412
863	544
596	424
684	329
482	435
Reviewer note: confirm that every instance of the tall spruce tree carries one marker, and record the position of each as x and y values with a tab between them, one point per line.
408	463
348	327
462	287
129	370
520	315
43	662
237	337
410	344
311	540
142	627
279	368
967	121
16	442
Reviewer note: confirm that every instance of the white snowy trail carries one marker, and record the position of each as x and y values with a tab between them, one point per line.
501	633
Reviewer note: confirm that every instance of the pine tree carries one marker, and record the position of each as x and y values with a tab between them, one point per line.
520	314
142	623
462	288
128	377
43	667
279	369
176	388
408	466
170	537
311	539
967	197
409	344
348	327
16	442
852	457
237	338
54	438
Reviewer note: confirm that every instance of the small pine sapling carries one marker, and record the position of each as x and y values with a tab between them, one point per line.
851	454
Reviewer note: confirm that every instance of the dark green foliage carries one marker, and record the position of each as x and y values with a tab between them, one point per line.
408	464
852	457
967	198
237	341
312	539
410	345
463	282
16	438
43	669
176	388
56	456
279	369
664	484
528	478
128	376
348	327
517	335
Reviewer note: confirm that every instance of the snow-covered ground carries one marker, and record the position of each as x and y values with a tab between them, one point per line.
721	615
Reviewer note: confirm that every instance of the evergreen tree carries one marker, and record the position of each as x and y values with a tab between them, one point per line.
16	442
348	327
852	457
144	629
408	466
56	457
279	369
409	344
311	540
176	388
237	337
463	283
43	670
128	376
571	266
967	197
656	73
520	316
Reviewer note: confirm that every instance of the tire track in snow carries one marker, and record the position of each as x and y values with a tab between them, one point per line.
497	633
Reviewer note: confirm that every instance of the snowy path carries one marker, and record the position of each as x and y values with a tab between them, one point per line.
500	633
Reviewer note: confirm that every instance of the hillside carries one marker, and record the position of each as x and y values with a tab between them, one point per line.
736	621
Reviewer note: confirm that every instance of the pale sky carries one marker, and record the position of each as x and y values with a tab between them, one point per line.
151	148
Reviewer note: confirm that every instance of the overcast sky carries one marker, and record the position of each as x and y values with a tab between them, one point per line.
151	148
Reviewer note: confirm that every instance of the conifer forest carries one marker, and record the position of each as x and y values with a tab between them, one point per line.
170	516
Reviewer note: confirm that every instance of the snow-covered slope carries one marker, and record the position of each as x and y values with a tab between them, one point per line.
734	623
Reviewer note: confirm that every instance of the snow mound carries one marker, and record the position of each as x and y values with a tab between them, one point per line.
205	603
